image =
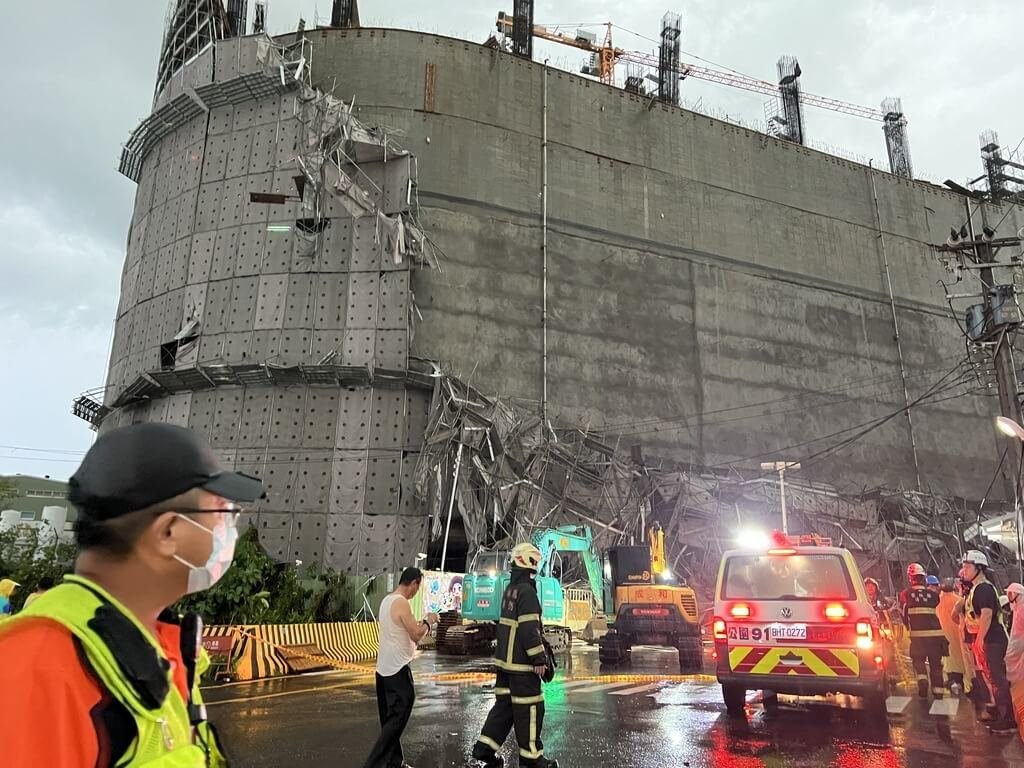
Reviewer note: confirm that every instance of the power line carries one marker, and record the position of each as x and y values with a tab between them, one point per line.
776	451
867	382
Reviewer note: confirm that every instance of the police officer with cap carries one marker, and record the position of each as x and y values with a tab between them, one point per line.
522	660
98	671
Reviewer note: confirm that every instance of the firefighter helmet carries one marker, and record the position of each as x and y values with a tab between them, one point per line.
974	557
526	556
915	569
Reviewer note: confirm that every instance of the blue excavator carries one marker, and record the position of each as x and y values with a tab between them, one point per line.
488	576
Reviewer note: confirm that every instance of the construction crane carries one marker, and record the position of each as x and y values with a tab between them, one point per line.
606	56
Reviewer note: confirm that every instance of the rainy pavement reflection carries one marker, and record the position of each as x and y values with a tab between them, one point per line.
595	718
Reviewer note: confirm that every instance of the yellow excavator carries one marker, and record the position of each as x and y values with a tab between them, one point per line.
646	606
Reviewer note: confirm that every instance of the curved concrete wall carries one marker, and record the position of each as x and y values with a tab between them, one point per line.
695	267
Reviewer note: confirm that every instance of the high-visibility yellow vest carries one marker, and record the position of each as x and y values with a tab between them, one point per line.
168	734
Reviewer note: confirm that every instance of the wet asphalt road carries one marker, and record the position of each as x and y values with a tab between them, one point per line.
330	721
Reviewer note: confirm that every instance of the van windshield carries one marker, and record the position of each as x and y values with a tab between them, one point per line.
787	577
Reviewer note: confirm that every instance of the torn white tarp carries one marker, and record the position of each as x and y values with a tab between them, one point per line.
355	199
391	233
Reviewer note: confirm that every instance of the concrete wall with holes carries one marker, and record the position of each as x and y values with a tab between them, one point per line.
338	464
695	267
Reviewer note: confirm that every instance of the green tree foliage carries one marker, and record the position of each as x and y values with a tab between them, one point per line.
259	590
27	558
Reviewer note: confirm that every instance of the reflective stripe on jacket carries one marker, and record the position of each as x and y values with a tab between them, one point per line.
130	664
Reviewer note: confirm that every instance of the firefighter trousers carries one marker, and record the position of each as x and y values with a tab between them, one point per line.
928	651
519	705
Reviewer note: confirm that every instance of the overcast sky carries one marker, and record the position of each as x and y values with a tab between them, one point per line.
80	77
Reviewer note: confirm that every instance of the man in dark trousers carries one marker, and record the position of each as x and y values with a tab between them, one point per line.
927	640
521	662
399	635
983	617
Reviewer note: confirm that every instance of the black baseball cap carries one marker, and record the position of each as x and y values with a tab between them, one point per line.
134	467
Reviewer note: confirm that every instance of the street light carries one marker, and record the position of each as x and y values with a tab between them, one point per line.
782	467
1011	428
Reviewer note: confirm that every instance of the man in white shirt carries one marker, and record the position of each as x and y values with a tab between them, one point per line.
399	635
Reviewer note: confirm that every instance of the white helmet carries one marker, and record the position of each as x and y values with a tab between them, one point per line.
915	569
974	557
1016	587
525	556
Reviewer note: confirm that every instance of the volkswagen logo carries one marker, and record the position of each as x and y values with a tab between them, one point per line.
787	613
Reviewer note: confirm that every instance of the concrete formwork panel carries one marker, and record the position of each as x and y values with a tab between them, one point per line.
227	418
202	412
366	246
244	293
178	409
280	246
391	349
387	420
217	306
383	483
393	308
320	424
363	300
177	270
271	301
201	257
313	480
275	530
359	347
348	484
279	478
251	244
233	201
308	537
354	418
239	153
336	253
225	249
298	301
331	299
208	205
216	157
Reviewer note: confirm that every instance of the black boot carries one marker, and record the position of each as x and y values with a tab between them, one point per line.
922	689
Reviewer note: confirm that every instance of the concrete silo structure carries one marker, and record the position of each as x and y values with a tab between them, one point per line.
265	300
295	278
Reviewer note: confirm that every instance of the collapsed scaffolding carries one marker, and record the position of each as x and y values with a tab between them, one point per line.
495	466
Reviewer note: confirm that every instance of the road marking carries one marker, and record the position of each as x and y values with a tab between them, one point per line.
576	684
895	705
601	687
637	689
261	697
945	707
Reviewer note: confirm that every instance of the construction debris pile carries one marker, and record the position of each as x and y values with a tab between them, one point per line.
498	468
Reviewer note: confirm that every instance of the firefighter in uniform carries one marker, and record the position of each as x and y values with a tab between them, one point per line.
521	661
927	640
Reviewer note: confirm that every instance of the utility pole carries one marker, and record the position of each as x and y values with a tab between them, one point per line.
781	467
992	324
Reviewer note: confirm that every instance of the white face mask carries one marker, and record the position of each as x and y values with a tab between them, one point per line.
202	577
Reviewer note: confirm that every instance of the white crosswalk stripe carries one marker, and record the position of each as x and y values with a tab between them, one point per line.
600	687
637	689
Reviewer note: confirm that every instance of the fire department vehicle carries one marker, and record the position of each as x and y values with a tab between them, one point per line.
793	618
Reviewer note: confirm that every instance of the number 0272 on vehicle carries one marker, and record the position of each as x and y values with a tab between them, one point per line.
768	633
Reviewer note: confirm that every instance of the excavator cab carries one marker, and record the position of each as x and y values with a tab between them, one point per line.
645	609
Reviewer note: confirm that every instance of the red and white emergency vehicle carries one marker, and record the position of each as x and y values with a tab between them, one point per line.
793	618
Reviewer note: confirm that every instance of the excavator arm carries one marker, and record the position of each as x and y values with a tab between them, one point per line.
571	538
